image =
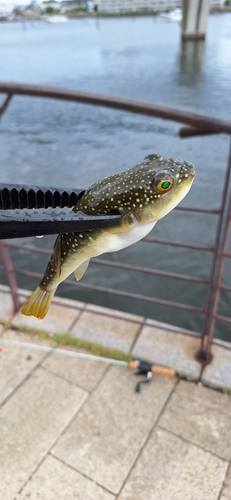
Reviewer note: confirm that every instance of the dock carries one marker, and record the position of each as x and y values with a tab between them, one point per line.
73	428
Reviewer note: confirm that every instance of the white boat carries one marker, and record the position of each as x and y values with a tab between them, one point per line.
174	16
58	18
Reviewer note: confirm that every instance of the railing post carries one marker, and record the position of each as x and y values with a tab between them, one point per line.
5	104
217	268
10	275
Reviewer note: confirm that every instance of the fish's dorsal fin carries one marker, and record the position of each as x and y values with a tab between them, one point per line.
79	272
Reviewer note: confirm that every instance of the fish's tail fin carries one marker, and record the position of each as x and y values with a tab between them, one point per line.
38	304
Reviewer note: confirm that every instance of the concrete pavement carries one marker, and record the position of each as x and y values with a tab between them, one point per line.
76	429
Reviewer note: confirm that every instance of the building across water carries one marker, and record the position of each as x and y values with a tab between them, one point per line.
116	6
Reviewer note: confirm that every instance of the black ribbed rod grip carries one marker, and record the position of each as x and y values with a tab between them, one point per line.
17	196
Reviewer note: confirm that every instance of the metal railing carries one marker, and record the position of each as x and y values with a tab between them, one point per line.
193	124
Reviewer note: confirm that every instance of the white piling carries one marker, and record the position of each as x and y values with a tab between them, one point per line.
195	18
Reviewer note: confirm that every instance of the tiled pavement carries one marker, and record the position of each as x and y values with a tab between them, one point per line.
75	429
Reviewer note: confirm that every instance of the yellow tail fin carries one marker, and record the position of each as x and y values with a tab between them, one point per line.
38	304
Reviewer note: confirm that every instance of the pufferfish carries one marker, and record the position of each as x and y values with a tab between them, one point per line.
142	194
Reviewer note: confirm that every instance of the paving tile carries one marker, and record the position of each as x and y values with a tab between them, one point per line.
171	468
169	349
201	415
6	304
218	372
105	437
15	362
60	317
82	372
226	490
31	338
30	423
56	481
96	325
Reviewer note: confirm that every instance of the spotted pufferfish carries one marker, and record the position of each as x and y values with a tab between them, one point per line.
142	194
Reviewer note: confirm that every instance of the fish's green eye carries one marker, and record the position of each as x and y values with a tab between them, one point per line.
165	185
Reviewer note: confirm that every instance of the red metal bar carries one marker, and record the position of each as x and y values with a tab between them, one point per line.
225	319
178	244
209	211
198	120
150	271
217	265
28	248
5	104
121	293
221	343
148	240
120	265
227	254
186	131
225	287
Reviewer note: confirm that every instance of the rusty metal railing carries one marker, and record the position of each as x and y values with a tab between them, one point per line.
193	124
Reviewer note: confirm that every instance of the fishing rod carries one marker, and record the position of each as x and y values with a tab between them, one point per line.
139	366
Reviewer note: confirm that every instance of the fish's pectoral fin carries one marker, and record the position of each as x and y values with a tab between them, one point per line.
127	222
79	272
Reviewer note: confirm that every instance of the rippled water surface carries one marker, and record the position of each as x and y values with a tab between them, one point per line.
65	144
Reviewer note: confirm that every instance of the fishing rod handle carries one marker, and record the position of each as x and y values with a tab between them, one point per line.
160	370
157	370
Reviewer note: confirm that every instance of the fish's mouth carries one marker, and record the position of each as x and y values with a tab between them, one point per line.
186	171
185	179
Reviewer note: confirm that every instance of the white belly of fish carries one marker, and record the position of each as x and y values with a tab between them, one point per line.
104	243
119	241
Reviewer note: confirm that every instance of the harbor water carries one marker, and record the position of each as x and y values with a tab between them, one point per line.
48	142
